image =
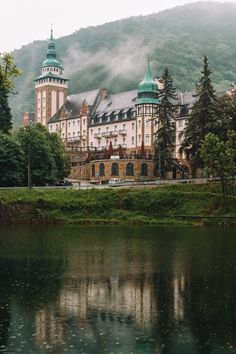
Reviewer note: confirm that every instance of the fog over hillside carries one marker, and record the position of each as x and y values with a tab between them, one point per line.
114	55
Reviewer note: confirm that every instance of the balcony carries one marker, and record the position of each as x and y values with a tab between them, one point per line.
110	134
114	133
73	138
84	137
124	146
98	136
123	132
106	134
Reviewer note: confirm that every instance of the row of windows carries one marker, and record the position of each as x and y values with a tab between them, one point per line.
147	124
112	117
60	81
147	140
52	69
74	122
78	122
129	170
147	110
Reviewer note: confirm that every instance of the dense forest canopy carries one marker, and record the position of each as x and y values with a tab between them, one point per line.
114	55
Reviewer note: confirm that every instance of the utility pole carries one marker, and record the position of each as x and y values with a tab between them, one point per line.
29	166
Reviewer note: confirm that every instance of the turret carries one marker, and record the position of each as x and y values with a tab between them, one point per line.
146	106
148	89
50	86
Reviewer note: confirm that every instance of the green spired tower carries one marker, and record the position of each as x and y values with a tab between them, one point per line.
147	107
50	87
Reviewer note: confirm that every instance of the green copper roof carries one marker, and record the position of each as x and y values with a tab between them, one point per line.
147	89
50	75
52	62
52	55
148	100
148	84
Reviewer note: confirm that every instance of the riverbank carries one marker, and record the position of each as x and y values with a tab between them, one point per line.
182	204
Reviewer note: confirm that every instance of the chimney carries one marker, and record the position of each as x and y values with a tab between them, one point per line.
160	83
104	93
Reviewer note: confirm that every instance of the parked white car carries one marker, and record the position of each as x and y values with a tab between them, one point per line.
115	182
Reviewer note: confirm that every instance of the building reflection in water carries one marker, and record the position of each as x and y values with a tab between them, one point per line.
128	294
92	295
84	302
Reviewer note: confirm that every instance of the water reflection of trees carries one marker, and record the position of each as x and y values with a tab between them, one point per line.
25	284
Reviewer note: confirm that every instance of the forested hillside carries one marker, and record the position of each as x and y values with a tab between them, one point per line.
114	55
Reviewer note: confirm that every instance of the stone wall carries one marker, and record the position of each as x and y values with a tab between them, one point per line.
88	172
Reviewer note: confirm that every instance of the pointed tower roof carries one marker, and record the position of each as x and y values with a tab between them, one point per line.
148	89
52	60
148	84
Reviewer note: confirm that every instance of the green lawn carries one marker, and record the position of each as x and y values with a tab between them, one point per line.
170	204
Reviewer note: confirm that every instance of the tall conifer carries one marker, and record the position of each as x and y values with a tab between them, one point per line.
5	111
165	136
202	119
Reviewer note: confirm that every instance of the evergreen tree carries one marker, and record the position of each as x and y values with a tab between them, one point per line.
203	118
5	111
165	136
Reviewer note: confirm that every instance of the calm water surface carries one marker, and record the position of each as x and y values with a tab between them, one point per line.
117	290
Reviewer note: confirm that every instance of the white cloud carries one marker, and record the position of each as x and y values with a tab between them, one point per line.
23	21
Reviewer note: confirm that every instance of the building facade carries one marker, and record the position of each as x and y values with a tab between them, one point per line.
107	135
50	86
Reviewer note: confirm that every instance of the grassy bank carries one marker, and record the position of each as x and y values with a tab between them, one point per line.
182	204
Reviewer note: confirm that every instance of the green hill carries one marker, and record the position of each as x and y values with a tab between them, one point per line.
114	54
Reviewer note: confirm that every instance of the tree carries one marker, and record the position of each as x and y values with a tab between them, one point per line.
59	155
203	118
220	157
227	115
44	153
11	162
165	136
58	152
8	71
37	156
5	111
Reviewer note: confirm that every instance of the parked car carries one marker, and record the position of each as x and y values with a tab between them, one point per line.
115	182
64	183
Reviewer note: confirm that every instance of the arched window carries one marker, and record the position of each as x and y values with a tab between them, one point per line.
93	170
101	169
115	169
144	169
129	169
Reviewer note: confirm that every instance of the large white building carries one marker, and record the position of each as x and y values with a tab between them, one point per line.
96	122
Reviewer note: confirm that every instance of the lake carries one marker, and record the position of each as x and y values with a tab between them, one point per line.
129	290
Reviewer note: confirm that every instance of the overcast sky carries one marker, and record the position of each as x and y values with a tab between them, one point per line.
23	21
